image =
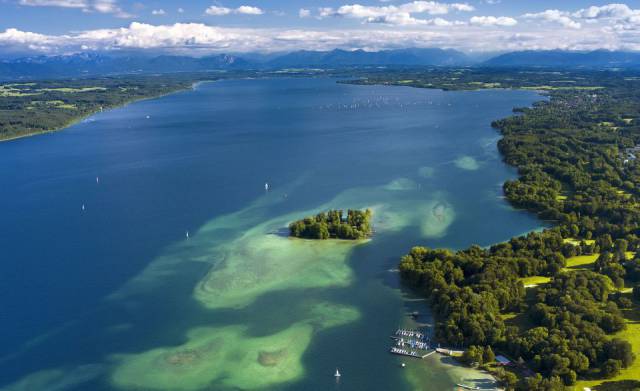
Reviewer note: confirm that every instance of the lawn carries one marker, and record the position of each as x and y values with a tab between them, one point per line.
581	261
576	242
534	281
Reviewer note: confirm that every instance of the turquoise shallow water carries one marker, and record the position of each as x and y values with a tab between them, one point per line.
116	297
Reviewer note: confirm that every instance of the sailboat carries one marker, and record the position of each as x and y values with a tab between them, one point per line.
337	373
187	234
266	186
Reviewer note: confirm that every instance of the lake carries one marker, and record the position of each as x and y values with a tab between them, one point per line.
141	251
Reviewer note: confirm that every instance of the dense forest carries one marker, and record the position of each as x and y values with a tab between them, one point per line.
578	170
334	224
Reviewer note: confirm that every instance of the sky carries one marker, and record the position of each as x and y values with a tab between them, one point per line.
196	27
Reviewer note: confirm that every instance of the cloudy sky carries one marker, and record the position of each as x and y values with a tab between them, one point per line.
229	26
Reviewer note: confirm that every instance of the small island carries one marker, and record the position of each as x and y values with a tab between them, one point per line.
334	224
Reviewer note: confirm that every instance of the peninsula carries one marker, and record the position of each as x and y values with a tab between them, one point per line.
563	302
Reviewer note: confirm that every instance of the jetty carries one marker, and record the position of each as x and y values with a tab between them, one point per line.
408	353
410	333
416	344
449	352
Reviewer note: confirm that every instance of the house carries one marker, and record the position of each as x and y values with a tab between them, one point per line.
502	360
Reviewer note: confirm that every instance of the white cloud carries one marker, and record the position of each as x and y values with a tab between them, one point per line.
304	13
555	16
158	12
217	11
444	23
196	38
101	6
180	10
243	9
249	10
402	14
614	16
55	3
325	12
493	21
617	16
615	10
24	40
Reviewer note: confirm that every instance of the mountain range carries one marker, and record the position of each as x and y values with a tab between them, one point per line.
566	59
93	64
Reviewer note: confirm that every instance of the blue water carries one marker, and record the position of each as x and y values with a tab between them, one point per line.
207	153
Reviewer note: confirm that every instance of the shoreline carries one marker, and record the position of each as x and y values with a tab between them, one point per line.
196	241
77	120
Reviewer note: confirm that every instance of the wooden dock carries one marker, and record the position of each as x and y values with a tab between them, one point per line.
408	353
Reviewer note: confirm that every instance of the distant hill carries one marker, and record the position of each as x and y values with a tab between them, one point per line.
90	64
566	59
341	58
96	64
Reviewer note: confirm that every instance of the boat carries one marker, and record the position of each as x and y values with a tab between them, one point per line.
187	234
337	373
266	186
82	206
97	179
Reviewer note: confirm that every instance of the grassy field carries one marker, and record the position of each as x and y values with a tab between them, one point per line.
534	281
581	261
576	242
559	88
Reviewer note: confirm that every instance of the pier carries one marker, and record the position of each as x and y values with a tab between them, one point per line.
408	333
408	353
449	352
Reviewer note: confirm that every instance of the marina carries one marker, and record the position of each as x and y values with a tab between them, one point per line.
411	343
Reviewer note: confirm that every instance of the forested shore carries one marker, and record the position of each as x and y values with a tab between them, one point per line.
578	170
30	108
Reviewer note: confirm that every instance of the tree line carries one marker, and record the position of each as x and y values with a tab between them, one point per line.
570	156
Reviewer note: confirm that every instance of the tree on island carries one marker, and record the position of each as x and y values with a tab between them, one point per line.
334	224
